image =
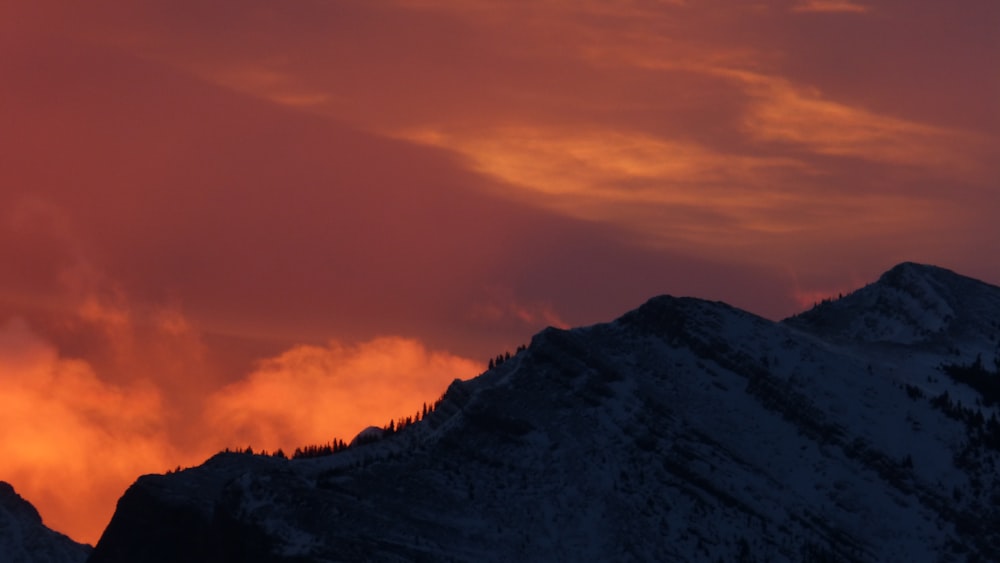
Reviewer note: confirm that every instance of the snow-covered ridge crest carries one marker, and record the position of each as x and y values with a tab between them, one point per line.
684	430
911	304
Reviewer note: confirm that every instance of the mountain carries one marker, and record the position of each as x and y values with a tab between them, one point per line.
686	430
925	307
25	539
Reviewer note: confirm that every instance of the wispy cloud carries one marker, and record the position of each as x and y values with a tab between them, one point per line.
499	306
802	117
679	193
831	6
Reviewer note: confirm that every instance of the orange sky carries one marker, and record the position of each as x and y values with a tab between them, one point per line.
269	224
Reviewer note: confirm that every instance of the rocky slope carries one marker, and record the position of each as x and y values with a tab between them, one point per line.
25	539
685	430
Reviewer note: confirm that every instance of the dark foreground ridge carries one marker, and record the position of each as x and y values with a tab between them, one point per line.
685	430
25	539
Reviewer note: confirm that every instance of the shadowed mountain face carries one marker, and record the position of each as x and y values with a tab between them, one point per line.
25	539
913	305
684	430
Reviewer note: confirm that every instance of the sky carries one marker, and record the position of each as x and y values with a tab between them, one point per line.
271	224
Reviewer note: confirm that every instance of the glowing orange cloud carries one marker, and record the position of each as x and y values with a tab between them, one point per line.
69	439
795	115
75	432
312	394
681	194
72	441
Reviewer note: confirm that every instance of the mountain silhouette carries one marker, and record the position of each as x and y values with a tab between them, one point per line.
25	539
685	430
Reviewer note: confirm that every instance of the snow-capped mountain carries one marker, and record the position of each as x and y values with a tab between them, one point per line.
25	539
686	430
911	304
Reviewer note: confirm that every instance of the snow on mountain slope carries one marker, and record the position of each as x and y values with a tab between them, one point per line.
912	321
685	430
25	539
913	304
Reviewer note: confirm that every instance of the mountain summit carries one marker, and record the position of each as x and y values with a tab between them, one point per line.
912	304
863	430
25	539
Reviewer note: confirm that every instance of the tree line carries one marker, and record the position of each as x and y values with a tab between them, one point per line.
501	358
337	445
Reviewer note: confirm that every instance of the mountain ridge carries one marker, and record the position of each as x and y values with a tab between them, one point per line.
24	538
683	430
928	302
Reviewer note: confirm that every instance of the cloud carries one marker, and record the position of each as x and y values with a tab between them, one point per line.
676	122
500	307
69	439
613	175
313	394
831	6
806	294
599	164
802	117
677	193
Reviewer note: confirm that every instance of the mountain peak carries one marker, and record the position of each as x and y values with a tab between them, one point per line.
909	272
13	504
23	536
673	316
910	304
